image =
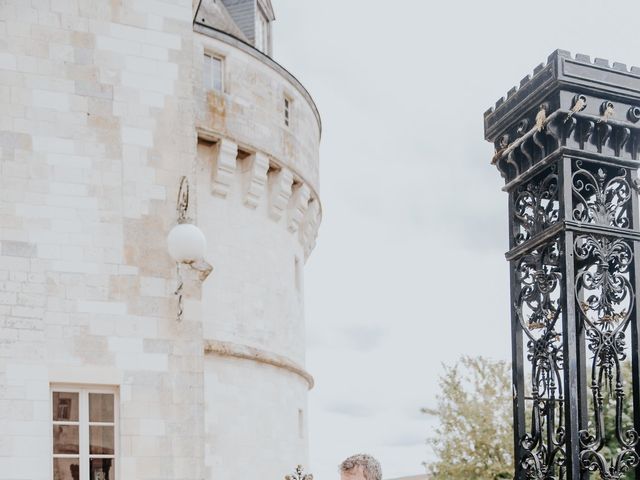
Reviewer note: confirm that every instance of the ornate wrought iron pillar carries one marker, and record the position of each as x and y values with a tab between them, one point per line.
568	146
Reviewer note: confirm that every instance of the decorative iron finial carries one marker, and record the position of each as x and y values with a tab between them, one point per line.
299	475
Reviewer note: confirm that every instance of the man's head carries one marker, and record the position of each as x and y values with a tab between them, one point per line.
360	467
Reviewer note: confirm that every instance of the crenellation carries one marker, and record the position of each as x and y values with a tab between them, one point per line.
224	166
510	125
563	54
298	206
538	69
621	67
280	186
309	231
525	80
257	179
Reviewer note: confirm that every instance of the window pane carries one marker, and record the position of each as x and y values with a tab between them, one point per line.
102	469
66	469
65	439
65	406
216	72
101	407
212	73
102	442
206	72
260	34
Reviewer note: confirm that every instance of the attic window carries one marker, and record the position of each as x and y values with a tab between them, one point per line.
287	111
262	31
212	73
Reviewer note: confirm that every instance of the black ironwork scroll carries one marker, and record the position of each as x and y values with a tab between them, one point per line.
538	307
606	297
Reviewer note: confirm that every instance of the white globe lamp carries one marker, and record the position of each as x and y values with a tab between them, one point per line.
186	243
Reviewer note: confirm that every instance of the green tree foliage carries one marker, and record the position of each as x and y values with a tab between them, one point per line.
474	437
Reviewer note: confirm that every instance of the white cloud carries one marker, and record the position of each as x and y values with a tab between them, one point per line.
415	223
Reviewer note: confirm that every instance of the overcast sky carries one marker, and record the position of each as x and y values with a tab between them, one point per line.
409	269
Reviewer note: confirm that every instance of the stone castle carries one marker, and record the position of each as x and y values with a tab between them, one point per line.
104	106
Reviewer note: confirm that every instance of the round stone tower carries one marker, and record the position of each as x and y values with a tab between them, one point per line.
257	173
104	106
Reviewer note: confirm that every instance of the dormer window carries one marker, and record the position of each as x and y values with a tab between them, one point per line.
262	32
247	20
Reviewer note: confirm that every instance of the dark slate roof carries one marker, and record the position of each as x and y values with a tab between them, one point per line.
215	14
243	13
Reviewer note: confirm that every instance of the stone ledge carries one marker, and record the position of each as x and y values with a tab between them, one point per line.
245	352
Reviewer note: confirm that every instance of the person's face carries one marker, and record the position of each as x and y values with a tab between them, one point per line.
356	473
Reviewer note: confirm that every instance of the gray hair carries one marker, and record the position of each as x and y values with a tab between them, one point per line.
370	466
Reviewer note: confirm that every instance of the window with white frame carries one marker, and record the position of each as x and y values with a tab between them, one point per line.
262	32
212	72
84	433
287	111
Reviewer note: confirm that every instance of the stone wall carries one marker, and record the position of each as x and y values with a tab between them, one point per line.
251	108
102	111
258	203
97	120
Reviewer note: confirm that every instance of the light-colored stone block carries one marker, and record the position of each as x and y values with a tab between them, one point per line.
7	61
137	136
309	231
125	345
51	100
224	167
173	10
109	308
144	35
117	45
153	83
298	206
280	191
18	249
257	179
51	145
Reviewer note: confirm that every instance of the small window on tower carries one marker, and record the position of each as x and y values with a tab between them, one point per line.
287	111
212	73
